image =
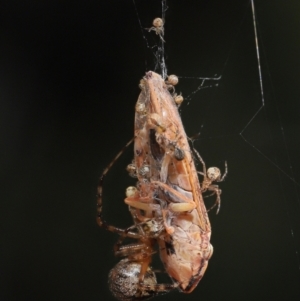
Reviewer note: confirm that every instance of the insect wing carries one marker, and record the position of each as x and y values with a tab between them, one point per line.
161	143
159	130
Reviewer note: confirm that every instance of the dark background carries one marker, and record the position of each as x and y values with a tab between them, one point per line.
69	81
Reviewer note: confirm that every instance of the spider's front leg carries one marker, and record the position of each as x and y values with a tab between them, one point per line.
100	221
225	173
202	162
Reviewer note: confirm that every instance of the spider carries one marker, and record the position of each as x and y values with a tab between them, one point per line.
171	82
158	27
178	98
212	174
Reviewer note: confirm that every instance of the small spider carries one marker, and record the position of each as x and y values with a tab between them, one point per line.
158	27
172	81
178	98
131	168
212	174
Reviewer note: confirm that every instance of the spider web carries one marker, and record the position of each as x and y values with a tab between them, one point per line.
244	121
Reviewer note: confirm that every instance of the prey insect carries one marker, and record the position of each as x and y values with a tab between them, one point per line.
160	138
166	205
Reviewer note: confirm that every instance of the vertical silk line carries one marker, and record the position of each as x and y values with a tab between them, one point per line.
259	72
292	178
257	53
163	63
262	100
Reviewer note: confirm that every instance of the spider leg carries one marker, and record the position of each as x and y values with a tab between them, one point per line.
128	249
216	190
158	288
159	31
161	37
201	161
207	196
151	28
225	173
100	221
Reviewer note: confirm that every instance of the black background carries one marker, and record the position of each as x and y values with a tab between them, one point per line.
69	81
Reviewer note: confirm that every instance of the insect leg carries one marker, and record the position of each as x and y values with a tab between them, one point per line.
184	203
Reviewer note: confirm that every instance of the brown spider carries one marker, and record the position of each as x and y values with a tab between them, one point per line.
158	27
212	174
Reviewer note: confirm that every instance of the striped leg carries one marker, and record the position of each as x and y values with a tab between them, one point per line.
100	221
